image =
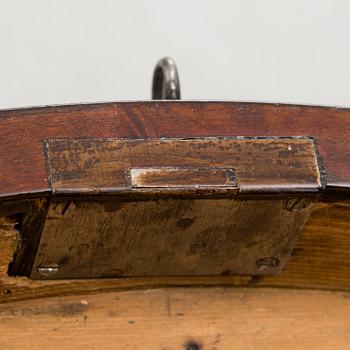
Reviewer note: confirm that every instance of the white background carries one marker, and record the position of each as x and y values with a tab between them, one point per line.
70	51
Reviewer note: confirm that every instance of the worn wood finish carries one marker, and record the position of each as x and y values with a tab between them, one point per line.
321	259
28	217
183	178
169	237
260	165
156	234
22	132
188	319
10	239
121	236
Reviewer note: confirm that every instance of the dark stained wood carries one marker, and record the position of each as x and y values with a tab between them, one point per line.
22	132
260	165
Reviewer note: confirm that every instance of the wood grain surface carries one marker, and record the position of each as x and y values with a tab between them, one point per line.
320	260
201	312
106	165
321	256
23	131
177	318
168	237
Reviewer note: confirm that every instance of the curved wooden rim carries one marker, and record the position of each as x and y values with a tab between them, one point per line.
23	131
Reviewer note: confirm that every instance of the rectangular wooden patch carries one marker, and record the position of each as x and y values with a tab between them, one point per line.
176	177
113	165
114	237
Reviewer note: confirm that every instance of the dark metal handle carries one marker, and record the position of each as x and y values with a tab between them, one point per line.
166	84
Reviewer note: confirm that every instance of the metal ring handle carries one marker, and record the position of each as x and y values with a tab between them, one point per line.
166	83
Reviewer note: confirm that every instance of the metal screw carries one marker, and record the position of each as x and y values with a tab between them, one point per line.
48	270
293	204
266	264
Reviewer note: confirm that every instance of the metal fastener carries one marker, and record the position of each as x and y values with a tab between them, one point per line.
266	264
48	270
294	204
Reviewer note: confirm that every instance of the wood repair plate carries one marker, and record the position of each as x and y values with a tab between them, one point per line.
170	206
114	165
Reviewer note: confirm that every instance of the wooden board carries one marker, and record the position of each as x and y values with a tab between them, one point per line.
188	319
116	166
168	237
321	259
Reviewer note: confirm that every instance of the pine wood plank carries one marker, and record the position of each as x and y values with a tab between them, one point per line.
177	318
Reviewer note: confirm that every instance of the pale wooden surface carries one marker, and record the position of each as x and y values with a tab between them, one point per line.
211	318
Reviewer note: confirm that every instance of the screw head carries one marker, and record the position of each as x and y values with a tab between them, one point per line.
294	204
48	270
267	264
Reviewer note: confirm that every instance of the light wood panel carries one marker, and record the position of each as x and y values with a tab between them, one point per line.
177	318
